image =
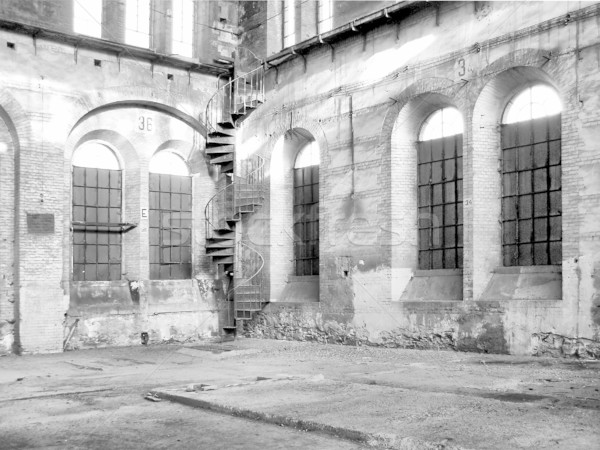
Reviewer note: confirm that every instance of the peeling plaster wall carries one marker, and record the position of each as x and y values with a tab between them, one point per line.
54	97
168	310
363	100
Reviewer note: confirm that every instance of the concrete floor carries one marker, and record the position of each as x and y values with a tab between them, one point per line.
346	397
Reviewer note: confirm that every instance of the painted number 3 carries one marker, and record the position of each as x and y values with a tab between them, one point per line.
461	67
145	123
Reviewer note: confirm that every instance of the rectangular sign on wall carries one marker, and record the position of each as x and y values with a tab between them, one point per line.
40	223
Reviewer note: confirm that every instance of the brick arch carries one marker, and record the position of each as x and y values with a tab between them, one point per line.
397	145
491	92
402	97
277	130
173	111
124	149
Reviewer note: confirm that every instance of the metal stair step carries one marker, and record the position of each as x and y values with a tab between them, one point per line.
220	234
225	243
227	167
220	133
222	252
219	149
227	157
210	140
223	259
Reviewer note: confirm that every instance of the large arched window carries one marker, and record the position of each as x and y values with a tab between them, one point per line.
170	217
440	191
531	178
97	198
306	210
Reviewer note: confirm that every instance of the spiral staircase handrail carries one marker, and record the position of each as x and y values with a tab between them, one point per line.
223	89
209	224
262	262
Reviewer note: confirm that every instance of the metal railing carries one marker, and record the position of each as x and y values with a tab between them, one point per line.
248	287
242	195
235	99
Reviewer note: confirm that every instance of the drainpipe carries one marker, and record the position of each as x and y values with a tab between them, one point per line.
351	113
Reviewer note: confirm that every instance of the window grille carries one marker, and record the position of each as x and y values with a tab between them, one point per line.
96	224
306	220
170	227
531	192
440	214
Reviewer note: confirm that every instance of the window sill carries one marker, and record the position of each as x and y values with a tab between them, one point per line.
438	273
529	269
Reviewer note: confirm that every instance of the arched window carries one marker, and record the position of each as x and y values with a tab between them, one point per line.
531	178
170	217
306	210
440	191
97	197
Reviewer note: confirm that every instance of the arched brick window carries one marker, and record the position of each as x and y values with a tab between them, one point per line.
531	178
439	162
306	210
170	217
97	203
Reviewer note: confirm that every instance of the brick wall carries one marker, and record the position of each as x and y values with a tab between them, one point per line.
368	163
53	98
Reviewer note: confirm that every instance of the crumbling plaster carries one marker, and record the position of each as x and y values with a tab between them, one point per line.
360	185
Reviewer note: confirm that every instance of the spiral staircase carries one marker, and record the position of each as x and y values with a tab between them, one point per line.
240	192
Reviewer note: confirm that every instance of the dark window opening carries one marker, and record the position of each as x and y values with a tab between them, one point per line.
170	227
440	208
96	233
531	192
306	220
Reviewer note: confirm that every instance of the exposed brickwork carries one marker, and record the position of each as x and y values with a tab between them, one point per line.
368	169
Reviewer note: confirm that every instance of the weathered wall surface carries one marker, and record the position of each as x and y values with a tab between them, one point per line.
53	98
364	99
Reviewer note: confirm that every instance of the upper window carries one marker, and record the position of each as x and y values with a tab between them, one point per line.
325	16
289	23
97	195
442	123
531	179
440	206
532	103
183	28
87	17
306	210
137	23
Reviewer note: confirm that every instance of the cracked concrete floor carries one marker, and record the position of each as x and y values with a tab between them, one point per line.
94	398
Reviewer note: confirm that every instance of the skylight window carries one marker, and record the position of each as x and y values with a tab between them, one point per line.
183	27
289	23
87	17
137	23
325	15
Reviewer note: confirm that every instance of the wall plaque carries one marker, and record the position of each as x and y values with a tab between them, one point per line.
40	223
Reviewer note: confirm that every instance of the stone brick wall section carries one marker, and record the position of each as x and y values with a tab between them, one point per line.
478	79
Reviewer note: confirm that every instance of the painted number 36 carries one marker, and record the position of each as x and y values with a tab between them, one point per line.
145	123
